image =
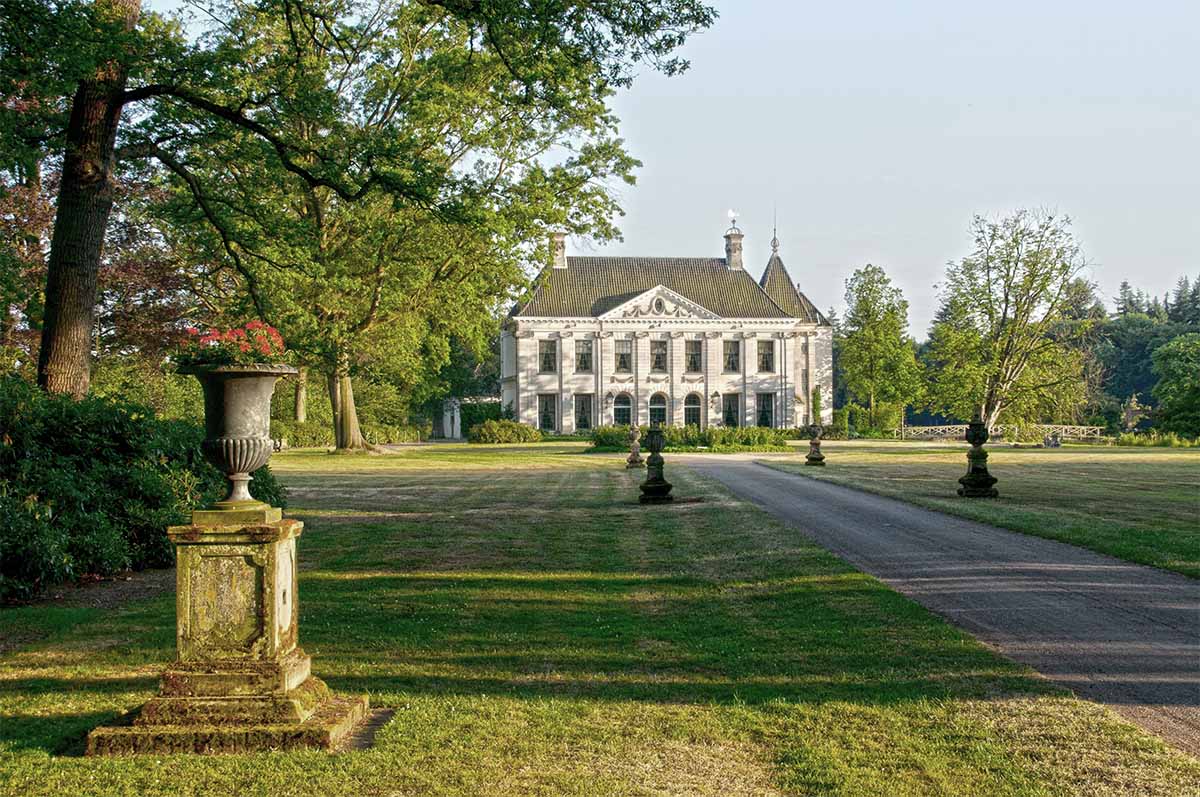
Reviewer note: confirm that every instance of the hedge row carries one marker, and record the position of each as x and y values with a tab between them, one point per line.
312	434
89	487
503	431
616	438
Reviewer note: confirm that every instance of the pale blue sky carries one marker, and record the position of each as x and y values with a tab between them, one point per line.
879	128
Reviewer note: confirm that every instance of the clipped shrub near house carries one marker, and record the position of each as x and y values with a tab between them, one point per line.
691	438
89	487
503	431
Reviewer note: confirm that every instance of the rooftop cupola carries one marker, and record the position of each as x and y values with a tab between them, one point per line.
558	249
733	245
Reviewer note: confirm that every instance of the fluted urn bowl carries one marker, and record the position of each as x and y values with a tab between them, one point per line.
237	422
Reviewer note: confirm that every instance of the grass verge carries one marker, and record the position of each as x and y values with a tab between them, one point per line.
538	632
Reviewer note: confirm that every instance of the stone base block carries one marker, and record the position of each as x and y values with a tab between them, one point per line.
294	706
236	678
655	499
325	729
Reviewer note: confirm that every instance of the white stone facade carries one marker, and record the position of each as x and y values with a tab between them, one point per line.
661	356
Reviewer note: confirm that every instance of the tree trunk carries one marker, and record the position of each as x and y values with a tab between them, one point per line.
346	434
85	198
300	408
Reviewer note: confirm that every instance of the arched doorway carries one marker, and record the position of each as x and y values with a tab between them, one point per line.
691	410
658	409
623	410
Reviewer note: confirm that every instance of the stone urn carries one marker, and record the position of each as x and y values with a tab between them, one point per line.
977	482
634	460
656	489
237	423
814	455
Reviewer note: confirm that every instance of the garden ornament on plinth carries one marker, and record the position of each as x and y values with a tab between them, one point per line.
634	460
656	489
240	682
814	455
977	482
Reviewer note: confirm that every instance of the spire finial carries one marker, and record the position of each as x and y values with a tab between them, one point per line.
775	231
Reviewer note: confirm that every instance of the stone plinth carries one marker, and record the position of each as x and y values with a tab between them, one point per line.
656	489
977	482
240	682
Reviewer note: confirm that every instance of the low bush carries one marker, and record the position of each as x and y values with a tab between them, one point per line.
503	431
387	433
303	434
686	438
89	487
1156	440
474	413
312	434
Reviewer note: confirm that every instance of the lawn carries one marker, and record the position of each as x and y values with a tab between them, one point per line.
1137	504
536	631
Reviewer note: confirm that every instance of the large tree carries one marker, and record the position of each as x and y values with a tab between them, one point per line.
999	346
1177	365
332	62
877	357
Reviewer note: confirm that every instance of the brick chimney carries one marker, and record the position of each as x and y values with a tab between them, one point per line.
733	247
558	249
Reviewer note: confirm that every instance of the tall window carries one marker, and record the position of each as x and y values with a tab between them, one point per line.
691	409
658	355
547	356
658	410
766	409
624	356
583	356
733	355
623	410
547	412
583	411
766	356
730	407
692	356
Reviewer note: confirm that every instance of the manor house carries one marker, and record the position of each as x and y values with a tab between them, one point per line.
670	340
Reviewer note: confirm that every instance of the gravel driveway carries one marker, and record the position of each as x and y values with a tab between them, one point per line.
1121	634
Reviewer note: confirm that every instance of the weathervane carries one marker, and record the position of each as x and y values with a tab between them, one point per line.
733	214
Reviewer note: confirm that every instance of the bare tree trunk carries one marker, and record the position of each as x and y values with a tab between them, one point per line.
300	408
346	433
85	198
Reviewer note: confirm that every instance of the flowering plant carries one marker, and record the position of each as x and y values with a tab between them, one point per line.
253	343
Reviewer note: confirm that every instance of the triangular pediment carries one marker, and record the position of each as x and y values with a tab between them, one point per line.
659	302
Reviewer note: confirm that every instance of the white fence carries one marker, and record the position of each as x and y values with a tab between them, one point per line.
957	431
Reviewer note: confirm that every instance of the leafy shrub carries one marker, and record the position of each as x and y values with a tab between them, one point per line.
386	433
475	413
503	431
611	438
841	424
303	434
90	486
312	434
684	438
1156	440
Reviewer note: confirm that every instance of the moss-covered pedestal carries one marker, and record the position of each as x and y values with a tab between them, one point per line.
240	683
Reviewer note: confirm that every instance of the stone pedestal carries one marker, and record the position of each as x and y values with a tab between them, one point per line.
634	460
977	482
240	683
814	455
656	489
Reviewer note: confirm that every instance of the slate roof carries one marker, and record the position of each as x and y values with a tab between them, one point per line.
777	283
591	286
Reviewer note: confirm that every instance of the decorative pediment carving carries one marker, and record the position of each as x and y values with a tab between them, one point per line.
660	303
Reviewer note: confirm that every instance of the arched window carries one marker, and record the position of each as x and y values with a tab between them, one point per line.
658	410
691	410
623	410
